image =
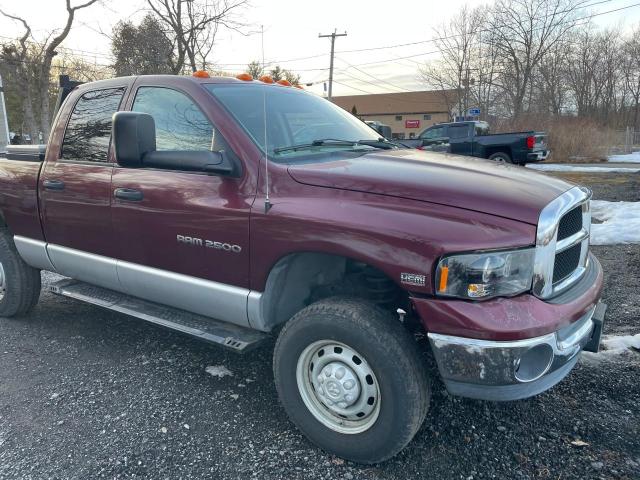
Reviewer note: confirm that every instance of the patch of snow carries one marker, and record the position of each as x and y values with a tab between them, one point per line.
620	343
560	167
218	371
613	347
235	396
628	157
620	222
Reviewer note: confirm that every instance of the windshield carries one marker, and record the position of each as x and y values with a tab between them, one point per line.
298	122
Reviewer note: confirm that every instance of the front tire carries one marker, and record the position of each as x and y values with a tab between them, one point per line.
19	283
351	379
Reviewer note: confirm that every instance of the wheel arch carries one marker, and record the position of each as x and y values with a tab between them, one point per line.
498	149
300	278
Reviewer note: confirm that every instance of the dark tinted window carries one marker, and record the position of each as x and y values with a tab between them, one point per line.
460	131
482	129
180	124
437	132
89	130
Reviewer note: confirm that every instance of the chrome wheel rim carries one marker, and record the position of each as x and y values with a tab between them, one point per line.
338	387
3	285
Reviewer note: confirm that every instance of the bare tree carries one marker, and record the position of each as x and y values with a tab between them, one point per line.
38	90
523	32
454	71
193	25
631	69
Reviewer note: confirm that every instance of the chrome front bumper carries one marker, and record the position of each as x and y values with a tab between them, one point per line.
500	371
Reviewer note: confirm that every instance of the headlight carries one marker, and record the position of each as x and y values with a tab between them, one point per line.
485	275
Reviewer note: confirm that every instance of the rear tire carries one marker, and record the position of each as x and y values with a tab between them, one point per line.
351	379
501	157
19	283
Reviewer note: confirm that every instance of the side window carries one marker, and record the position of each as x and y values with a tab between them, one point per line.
180	124
461	131
433	133
89	129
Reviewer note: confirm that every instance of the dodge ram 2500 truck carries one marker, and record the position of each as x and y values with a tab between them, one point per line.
232	209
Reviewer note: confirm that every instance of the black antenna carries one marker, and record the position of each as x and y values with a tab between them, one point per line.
267	202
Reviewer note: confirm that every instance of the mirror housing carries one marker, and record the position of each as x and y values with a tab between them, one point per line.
204	161
134	135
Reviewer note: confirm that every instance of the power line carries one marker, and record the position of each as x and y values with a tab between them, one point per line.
349	66
459	35
559	23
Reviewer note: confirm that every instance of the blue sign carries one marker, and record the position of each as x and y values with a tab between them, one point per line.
474	112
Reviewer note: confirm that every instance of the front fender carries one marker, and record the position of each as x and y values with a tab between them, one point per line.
394	235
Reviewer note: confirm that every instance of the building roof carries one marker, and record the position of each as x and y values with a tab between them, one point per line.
430	101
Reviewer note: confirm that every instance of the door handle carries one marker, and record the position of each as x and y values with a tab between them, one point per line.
53	184
128	194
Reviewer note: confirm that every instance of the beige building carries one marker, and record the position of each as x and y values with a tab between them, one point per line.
406	113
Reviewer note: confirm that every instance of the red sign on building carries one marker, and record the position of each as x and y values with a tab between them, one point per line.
412	124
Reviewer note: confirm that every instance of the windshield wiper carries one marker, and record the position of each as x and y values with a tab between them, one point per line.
380	143
316	143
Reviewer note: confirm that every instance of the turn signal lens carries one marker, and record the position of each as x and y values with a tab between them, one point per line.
444	276
283	82
200	74
245	77
266	79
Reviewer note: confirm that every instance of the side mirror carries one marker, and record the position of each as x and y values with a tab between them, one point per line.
134	135
190	161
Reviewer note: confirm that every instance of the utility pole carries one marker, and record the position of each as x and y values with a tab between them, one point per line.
333	42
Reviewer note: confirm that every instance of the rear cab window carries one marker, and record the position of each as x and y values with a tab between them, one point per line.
88	133
459	131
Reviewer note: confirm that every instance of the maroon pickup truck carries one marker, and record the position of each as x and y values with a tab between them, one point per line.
234	210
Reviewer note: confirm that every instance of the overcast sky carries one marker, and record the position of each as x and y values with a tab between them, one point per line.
291	32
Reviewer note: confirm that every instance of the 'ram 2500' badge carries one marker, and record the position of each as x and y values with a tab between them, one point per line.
198	242
413	279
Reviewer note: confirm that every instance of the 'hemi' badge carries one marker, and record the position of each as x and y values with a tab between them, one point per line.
413	279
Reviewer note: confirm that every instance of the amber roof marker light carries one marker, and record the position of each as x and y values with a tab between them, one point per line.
201	74
245	77
266	79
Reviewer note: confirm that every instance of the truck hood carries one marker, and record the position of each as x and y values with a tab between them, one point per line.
485	186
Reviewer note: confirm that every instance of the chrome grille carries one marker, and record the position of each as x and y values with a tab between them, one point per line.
562	242
565	263
571	223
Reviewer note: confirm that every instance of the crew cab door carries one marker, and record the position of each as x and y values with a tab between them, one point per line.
75	186
434	136
461	138
183	235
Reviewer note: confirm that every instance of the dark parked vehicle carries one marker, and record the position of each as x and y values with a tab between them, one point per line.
153	199
473	139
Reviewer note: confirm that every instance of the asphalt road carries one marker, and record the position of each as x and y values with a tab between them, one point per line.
86	393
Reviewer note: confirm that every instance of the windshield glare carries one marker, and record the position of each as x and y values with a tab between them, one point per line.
293	117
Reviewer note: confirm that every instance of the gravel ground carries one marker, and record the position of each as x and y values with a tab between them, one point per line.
86	393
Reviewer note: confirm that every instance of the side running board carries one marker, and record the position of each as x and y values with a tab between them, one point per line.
236	338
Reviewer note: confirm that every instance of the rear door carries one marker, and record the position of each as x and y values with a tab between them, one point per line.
460	139
75	186
185	238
